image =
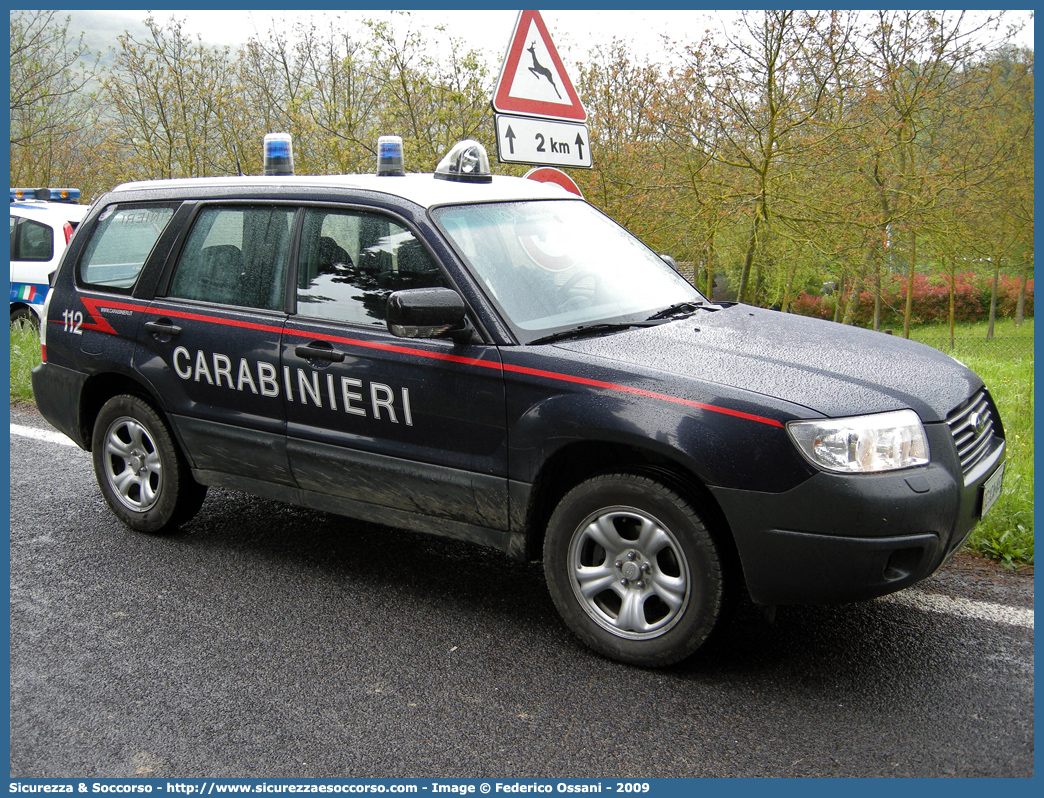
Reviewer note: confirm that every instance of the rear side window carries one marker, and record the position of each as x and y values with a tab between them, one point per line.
236	255
31	241
351	262
120	244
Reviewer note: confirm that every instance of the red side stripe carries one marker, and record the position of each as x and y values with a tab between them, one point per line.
610	386
103	326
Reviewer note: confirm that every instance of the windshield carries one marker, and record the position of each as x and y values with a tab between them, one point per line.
556	265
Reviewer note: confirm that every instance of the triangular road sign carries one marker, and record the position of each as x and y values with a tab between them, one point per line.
533	81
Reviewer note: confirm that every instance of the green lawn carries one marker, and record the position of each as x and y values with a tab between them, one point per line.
1005	365
25	354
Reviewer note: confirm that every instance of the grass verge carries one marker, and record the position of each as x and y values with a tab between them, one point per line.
1005	364
25	354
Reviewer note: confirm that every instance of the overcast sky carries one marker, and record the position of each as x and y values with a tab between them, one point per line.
574	32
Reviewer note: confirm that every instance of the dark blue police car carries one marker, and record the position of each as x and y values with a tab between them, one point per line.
492	359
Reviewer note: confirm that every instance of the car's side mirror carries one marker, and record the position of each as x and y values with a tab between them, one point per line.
426	313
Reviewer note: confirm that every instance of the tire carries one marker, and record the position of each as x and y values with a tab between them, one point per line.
22	318
633	570
142	473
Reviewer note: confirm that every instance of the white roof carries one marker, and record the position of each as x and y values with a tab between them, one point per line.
51	212
423	189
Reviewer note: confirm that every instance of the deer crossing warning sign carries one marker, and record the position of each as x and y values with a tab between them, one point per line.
539	117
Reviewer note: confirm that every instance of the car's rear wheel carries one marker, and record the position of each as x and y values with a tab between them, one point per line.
633	569
142	474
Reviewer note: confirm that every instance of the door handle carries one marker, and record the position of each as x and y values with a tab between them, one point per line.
318	350
162	327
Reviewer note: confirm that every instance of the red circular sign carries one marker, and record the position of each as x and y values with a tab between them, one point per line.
548	174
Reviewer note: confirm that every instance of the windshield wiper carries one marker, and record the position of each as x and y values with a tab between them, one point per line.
595	329
682	309
677	309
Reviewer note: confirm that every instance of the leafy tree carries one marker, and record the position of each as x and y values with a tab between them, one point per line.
764	86
914	59
431	103
168	99
50	103
1001	221
630	179
345	101
703	190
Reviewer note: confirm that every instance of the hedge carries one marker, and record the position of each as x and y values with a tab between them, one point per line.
931	299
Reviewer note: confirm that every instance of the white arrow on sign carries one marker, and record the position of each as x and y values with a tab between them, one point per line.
545	142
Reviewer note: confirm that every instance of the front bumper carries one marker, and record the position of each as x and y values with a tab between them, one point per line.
839	538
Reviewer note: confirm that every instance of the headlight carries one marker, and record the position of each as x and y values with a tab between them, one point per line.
863	444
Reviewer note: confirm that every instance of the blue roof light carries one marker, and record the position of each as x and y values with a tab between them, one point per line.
389	155
278	154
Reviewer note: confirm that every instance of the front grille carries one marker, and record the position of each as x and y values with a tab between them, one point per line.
972	427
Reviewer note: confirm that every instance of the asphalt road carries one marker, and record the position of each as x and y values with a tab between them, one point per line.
264	640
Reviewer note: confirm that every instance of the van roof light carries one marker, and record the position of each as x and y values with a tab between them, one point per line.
46	194
466	162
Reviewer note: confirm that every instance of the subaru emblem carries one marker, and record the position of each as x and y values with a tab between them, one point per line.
979	422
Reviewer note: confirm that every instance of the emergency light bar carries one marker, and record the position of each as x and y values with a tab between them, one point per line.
45	194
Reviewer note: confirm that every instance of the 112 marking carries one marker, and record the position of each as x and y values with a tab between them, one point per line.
71	321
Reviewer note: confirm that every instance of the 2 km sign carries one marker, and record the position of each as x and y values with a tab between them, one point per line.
546	142
539	117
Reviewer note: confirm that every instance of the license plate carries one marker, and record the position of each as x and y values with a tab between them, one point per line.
991	490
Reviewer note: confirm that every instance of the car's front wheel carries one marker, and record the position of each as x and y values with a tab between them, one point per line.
633	569
142	474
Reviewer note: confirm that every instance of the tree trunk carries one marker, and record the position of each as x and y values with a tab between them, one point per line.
757	294
839	293
908	310
953	300
709	260
1020	304
788	288
993	299
748	261
877	295
853	301
753	241
878	253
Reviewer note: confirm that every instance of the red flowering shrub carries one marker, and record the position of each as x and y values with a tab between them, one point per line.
820	307
931	299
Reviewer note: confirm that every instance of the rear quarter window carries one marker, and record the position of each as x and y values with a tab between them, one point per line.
120	244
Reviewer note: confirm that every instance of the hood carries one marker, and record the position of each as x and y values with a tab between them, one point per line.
832	369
